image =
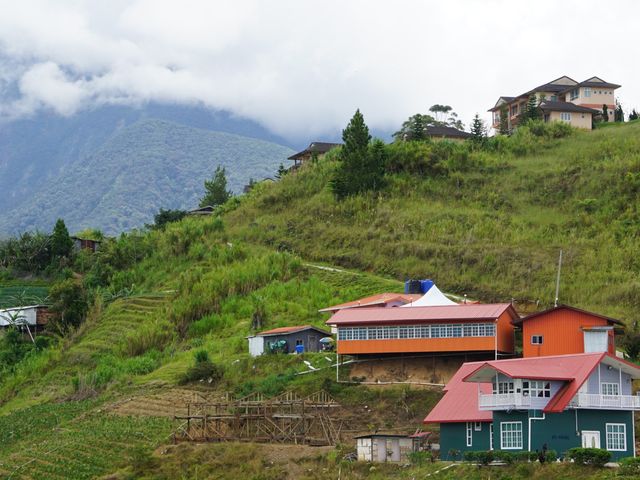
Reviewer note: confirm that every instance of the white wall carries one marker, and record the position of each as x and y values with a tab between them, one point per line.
256	346
27	314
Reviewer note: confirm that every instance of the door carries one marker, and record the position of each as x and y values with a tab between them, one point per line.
590	439
313	344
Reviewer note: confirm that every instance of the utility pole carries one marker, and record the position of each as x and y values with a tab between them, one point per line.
558	279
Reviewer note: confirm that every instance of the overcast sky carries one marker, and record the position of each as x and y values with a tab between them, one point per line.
302	67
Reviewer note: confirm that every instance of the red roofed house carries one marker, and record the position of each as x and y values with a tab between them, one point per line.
287	339
560	402
477	328
384	300
563	330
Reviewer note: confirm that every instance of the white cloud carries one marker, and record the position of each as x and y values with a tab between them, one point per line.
302	67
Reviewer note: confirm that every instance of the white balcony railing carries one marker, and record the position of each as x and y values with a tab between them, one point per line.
605	402
503	401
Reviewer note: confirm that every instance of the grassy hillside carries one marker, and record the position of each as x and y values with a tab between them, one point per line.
491	228
488	224
127	177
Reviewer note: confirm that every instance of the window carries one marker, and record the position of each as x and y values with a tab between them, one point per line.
554	98
469	435
491	436
575	93
477	426
587	92
536	388
503	388
300	342
609	389
510	435
565	116
616	437
536	339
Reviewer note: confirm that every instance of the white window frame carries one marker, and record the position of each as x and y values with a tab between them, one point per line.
491	436
618	435
587	91
610	389
536	337
477	426
565	116
469	434
510	437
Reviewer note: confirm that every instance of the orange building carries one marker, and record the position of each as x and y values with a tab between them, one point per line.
463	328
565	330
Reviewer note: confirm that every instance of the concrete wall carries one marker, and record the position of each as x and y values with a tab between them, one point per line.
578	120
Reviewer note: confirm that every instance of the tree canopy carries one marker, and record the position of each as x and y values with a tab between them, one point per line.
61	243
414	128
216	192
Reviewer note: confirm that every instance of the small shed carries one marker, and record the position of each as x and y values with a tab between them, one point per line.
304	338
85	244
383	447
33	316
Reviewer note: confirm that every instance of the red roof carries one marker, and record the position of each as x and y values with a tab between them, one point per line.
460	401
284	330
573	369
566	307
384	316
373	300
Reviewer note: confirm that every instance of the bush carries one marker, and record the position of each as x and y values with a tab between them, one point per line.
201	356
630	467
596	457
421	458
206	371
483	457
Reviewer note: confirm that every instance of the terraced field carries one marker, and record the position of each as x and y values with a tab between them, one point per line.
75	440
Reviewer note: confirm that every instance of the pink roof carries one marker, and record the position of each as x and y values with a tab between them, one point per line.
383	316
373	300
281	330
460	401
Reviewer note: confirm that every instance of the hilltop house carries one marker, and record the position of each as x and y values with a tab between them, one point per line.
562	99
560	402
315	149
564	330
304	338
88	244
436	132
381	300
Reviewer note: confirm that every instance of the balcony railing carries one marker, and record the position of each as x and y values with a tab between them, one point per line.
605	402
503	401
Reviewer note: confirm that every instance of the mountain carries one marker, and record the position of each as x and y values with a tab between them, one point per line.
114	167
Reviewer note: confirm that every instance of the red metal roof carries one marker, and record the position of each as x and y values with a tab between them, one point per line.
373	300
566	307
284	330
384	316
460	401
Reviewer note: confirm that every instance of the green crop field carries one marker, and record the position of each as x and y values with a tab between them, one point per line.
31	294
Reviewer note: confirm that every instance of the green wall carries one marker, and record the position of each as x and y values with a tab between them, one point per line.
558	430
454	436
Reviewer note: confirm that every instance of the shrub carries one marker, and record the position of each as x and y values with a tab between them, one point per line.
201	356
506	457
206	371
421	458
596	457
630	467
483	457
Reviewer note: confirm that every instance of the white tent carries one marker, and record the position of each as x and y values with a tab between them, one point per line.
433	298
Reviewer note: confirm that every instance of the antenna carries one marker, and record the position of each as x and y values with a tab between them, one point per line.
558	279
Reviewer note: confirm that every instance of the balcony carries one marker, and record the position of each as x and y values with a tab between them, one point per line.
503	401
605	402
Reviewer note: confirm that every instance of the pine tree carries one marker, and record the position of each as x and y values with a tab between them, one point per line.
361	166
504	120
417	128
532	112
216	192
605	113
633	115
282	171
478	131
618	115
61	243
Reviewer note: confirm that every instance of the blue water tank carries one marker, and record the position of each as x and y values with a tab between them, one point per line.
425	285
299	349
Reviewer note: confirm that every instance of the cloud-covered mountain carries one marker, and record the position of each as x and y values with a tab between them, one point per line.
114	167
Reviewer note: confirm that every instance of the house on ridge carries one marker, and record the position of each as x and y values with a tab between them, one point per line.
562	99
315	149
443	132
287	340
382	300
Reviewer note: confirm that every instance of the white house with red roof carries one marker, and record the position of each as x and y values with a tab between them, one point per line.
554	402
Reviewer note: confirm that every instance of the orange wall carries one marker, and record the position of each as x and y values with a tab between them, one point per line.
505	334
416	345
561	331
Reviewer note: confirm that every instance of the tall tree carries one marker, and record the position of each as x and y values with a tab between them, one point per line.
618	115
61	243
532	111
504	120
605	113
439	110
478	131
361	166
215	190
414	128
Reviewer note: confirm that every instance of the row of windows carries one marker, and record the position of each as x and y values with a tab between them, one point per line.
511	436
575	93
530	388
417	331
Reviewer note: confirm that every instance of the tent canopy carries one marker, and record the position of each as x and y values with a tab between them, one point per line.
432	298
